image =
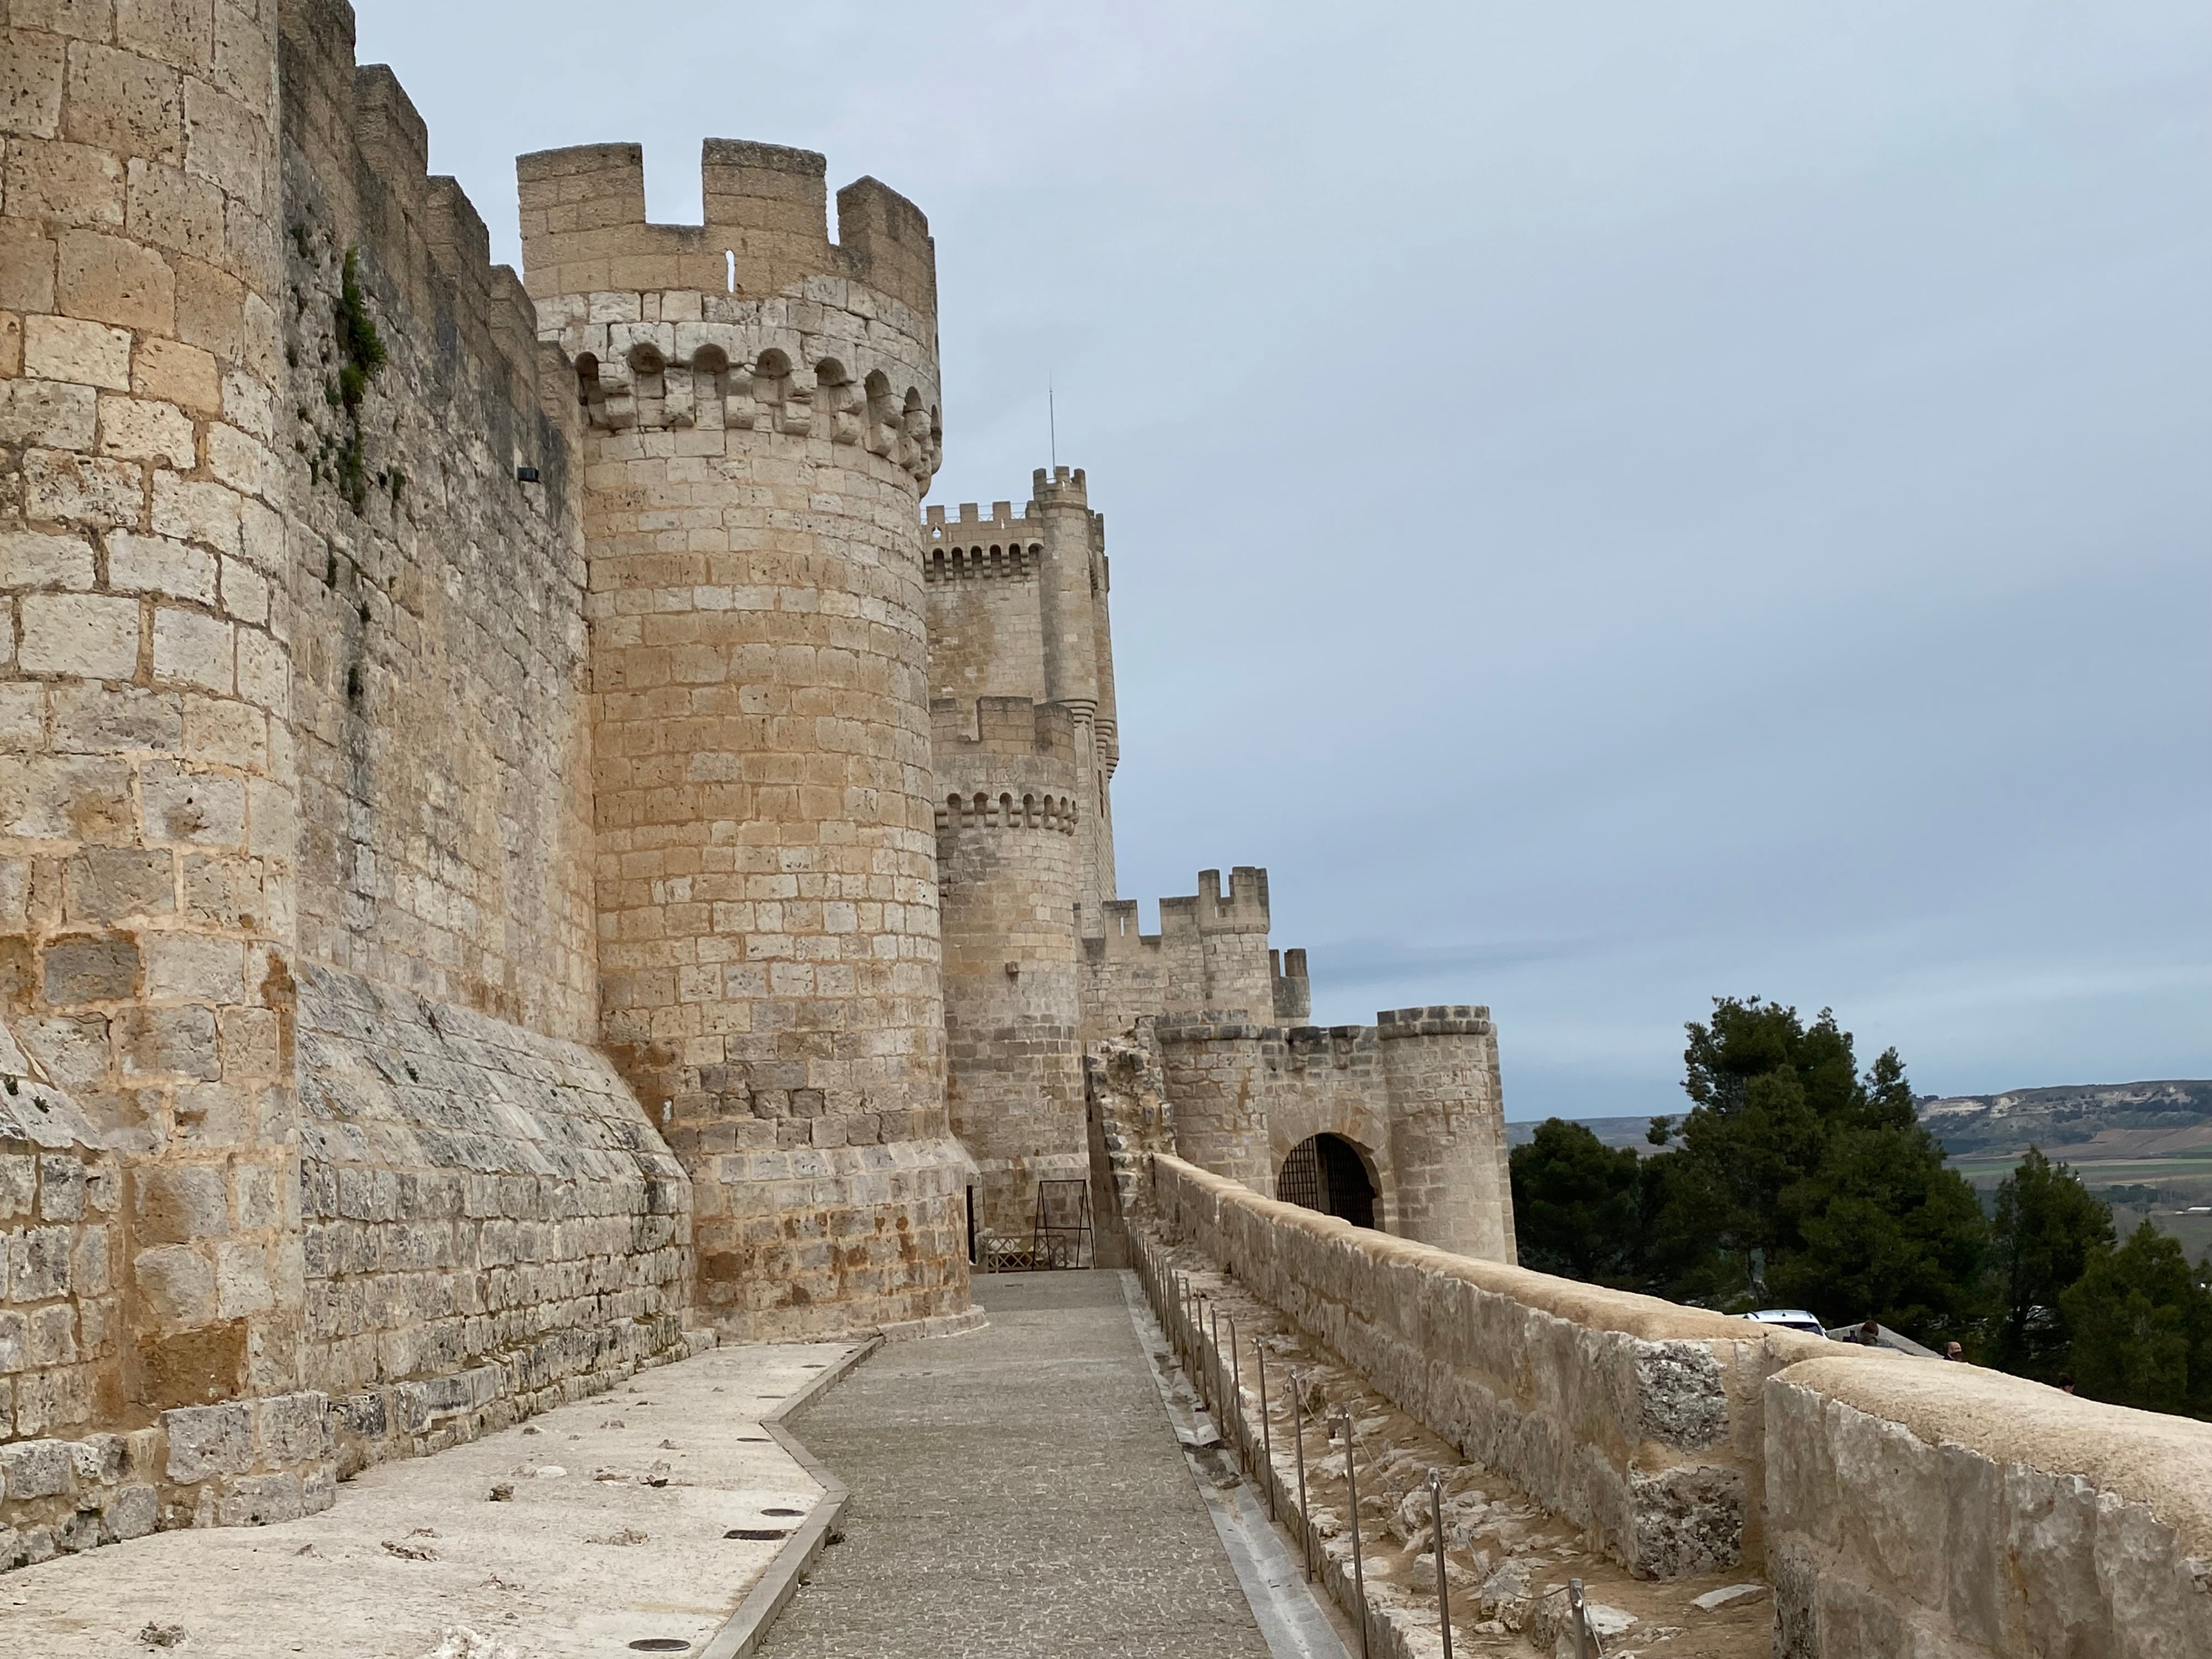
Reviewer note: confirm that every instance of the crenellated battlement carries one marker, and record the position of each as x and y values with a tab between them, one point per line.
971	548
1061	487
1243	910
765	229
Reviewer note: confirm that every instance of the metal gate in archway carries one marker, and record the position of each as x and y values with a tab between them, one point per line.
1324	1172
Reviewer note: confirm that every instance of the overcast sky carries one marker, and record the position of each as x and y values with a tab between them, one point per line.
1612	504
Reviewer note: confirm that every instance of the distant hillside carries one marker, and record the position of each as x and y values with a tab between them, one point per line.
1613	1131
2089	1123
2108	1119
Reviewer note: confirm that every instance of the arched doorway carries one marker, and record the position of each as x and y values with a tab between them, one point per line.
1326	1172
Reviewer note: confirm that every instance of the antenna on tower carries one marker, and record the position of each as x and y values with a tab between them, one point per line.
1052	417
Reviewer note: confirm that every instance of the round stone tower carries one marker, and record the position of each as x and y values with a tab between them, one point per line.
761	409
147	846
1008	851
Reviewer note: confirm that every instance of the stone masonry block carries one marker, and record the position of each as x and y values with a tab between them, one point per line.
90	635
178	1283
29	559
159	564
114	884
97	968
210	1440
107	279
51	414
36	1469
195	648
69	349
148	430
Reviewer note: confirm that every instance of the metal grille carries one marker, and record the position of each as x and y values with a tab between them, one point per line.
1325	1173
1298	1181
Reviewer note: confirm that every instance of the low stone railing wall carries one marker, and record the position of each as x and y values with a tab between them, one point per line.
1638	1420
1957	1513
1896	1506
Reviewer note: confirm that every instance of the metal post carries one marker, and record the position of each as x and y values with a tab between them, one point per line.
1199	1372
1578	1618
1352	1502
1213	1354
1437	1527
1236	1399
1267	1432
1298	1429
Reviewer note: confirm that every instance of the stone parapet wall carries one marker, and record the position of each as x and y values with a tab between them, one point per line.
1948	1512
1637	1420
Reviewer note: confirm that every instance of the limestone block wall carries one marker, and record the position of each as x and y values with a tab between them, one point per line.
1640	1420
1007	852
1957	1513
491	1223
762	421
147	816
440	726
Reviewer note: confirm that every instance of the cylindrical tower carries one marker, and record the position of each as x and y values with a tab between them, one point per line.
1006	826
147	841
1448	1129
1072	584
762	421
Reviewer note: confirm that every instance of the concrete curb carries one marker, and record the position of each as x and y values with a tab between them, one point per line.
757	1612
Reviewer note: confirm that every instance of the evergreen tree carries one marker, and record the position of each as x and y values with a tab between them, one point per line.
1575	1205
2142	1323
2049	1227
1792	1158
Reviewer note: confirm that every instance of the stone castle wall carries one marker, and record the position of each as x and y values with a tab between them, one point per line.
481	1197
439	704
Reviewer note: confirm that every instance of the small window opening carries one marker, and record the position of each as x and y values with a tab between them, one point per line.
729	266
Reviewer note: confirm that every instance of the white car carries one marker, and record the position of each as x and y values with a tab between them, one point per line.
1790	1319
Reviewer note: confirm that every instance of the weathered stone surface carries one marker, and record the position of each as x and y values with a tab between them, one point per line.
1962	1512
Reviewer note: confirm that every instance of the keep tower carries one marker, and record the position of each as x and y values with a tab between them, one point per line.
1008	826
761	421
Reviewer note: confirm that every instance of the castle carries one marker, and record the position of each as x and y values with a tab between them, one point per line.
522	848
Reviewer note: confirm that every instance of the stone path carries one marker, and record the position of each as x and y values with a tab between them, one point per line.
1016	1493
627	1542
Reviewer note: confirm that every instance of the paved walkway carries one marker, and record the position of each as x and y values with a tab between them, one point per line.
1016	1493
